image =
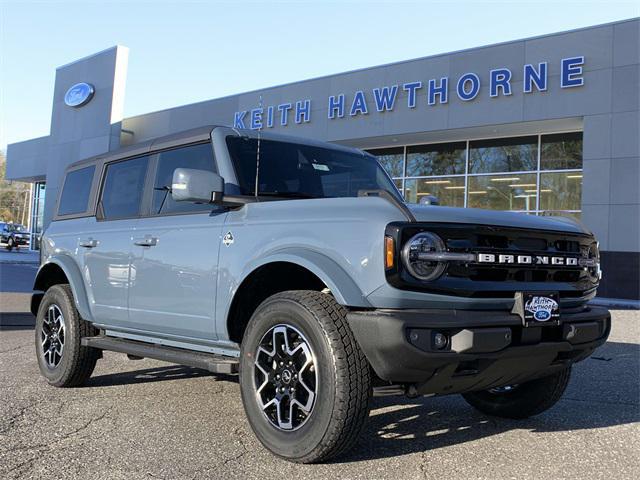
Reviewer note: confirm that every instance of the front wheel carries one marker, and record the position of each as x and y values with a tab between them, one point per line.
523	400
10	244
305	382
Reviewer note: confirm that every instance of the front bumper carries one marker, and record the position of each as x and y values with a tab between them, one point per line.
484	349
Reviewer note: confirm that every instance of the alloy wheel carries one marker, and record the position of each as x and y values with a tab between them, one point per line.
53	336
285	377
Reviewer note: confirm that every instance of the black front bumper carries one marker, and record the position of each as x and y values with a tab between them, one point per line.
484	349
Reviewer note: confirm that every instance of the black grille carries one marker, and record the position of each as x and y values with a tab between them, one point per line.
476	279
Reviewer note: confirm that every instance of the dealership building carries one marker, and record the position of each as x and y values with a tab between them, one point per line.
544	126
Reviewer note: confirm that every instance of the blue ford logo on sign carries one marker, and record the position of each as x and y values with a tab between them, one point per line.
79	94
542	315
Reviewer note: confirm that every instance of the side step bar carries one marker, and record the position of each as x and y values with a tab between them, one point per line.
206	361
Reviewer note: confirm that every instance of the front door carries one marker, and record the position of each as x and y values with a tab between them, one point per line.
174	265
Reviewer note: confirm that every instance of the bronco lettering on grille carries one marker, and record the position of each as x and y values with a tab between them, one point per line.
527	259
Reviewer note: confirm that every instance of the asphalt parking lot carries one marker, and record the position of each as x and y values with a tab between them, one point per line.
148	419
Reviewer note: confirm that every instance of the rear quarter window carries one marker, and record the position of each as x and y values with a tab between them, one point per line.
75	191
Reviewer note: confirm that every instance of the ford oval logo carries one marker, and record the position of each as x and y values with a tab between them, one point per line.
542	315
79	94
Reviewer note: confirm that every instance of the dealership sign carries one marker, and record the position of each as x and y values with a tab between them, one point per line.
430	93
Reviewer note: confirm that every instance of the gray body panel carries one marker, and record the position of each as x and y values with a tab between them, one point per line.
173	283
179	290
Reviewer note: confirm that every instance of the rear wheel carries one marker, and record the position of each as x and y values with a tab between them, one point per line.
523	400
305	383
63	361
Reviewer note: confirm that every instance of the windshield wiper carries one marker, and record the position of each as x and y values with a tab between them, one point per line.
287	195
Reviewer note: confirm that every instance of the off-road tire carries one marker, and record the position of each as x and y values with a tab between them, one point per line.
77	362
525	400
344	378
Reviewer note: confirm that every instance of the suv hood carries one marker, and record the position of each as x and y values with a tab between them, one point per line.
433	213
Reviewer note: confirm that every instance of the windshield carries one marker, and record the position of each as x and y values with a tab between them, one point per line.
293	170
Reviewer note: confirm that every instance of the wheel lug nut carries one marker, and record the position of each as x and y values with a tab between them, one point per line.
277	377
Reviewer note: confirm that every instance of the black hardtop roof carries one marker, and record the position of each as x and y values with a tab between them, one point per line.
195	135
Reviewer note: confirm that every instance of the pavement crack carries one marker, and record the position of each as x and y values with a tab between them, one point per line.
13	419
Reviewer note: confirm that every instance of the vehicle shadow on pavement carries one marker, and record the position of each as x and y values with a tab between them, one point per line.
148	375
604	392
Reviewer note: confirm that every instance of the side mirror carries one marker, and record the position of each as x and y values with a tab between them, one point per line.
429	200
198	186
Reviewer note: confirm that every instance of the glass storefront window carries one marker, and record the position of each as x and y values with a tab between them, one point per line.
561	191
561	151
448	190
436	159
37	214
503	192
391	159
494	175
503	155
398	182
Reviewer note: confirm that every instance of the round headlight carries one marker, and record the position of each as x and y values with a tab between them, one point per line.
422	269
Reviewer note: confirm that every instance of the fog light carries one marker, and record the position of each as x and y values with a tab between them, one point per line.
440	341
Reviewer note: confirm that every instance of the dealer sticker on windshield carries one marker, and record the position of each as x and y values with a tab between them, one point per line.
537	308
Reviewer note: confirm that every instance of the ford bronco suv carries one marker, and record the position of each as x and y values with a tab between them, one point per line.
297	265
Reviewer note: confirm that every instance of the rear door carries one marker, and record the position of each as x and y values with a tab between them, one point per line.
107	249
175	254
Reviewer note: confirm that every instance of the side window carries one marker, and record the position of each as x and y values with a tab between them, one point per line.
75	192
198	157
123	188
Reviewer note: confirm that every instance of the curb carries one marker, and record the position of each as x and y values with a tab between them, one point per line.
19	262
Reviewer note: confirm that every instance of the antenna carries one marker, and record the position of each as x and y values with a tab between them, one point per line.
258	152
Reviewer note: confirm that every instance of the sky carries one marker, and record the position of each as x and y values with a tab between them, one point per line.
187	51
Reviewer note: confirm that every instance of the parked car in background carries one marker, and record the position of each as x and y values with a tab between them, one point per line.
13	235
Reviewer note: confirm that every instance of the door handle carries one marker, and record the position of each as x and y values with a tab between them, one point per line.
88	243
146	242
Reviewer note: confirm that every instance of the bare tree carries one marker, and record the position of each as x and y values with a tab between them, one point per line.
14	197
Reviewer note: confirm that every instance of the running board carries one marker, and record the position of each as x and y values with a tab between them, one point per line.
189	358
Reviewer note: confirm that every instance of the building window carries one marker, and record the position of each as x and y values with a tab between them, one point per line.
448	190
391	159
503	192
398	182
560	191
561	151
516	154
437	159
37	214
538	174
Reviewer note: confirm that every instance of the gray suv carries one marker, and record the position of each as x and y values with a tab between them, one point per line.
297	265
